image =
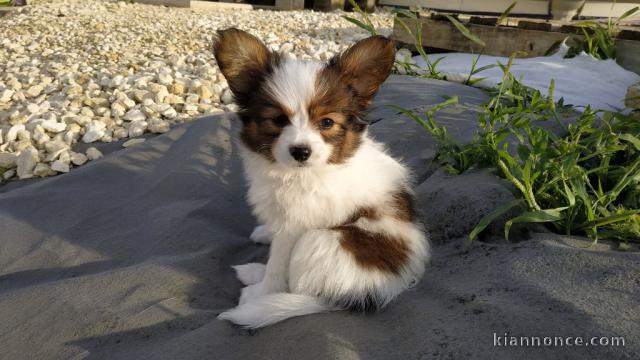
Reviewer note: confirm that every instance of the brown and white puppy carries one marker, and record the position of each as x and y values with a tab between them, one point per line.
337	209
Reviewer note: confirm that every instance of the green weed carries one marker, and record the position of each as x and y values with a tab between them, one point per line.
582	178
585	181
599	41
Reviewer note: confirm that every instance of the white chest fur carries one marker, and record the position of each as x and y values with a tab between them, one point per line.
294	200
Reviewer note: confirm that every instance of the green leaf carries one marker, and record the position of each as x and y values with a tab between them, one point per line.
628	13
449	100
569	194
631	139
465	32
539	216
483	68
489	218
360	24
506	13
474	81
405	13
609	219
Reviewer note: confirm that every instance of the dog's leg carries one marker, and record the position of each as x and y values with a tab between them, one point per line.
250	274
261	235
275	276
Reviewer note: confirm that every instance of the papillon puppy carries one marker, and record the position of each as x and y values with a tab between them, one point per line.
336	208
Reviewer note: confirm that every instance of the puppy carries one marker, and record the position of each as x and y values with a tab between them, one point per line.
336	208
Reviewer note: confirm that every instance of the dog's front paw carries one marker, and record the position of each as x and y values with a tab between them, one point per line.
251	273
261	235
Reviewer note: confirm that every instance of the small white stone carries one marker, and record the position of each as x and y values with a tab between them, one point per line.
55	146
192	99
158	126
117	81
119	133
286	47
72	134
170	113
12	134
135	115
60	166
226	97
137	128
93	153
42	170
78	158
140	95
8	160
34	91
24	135
94	131
26	162
133	142
5	95
53	126
33	108
9	174
118	109
40	136
189	108
165	78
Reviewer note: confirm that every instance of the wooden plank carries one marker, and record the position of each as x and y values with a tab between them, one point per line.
530	7
501	41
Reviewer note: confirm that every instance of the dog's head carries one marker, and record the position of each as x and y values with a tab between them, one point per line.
302	113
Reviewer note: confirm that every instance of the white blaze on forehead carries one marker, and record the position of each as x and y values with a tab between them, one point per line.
293	85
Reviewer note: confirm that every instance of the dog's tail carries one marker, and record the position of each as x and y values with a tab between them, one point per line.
272	308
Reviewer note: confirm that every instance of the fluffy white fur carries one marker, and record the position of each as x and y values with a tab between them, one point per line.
308	271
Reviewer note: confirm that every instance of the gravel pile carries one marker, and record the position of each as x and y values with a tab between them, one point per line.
100	71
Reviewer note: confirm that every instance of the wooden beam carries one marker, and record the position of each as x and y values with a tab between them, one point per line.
501	41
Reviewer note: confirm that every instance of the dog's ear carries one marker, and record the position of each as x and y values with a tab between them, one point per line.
243	60
365	66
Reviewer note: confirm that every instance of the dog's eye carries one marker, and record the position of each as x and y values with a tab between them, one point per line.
281	120
326	123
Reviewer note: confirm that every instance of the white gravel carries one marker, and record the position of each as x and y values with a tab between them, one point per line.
88	70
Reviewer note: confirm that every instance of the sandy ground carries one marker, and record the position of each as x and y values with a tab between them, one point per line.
128	257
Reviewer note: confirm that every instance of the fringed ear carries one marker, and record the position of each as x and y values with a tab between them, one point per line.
243	60
365	66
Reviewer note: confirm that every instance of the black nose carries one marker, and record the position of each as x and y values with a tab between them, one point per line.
300	152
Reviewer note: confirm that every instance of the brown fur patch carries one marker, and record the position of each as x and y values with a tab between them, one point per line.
345	88
336	102
260	130
364	212
373	250
246	63
403	205
364	67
